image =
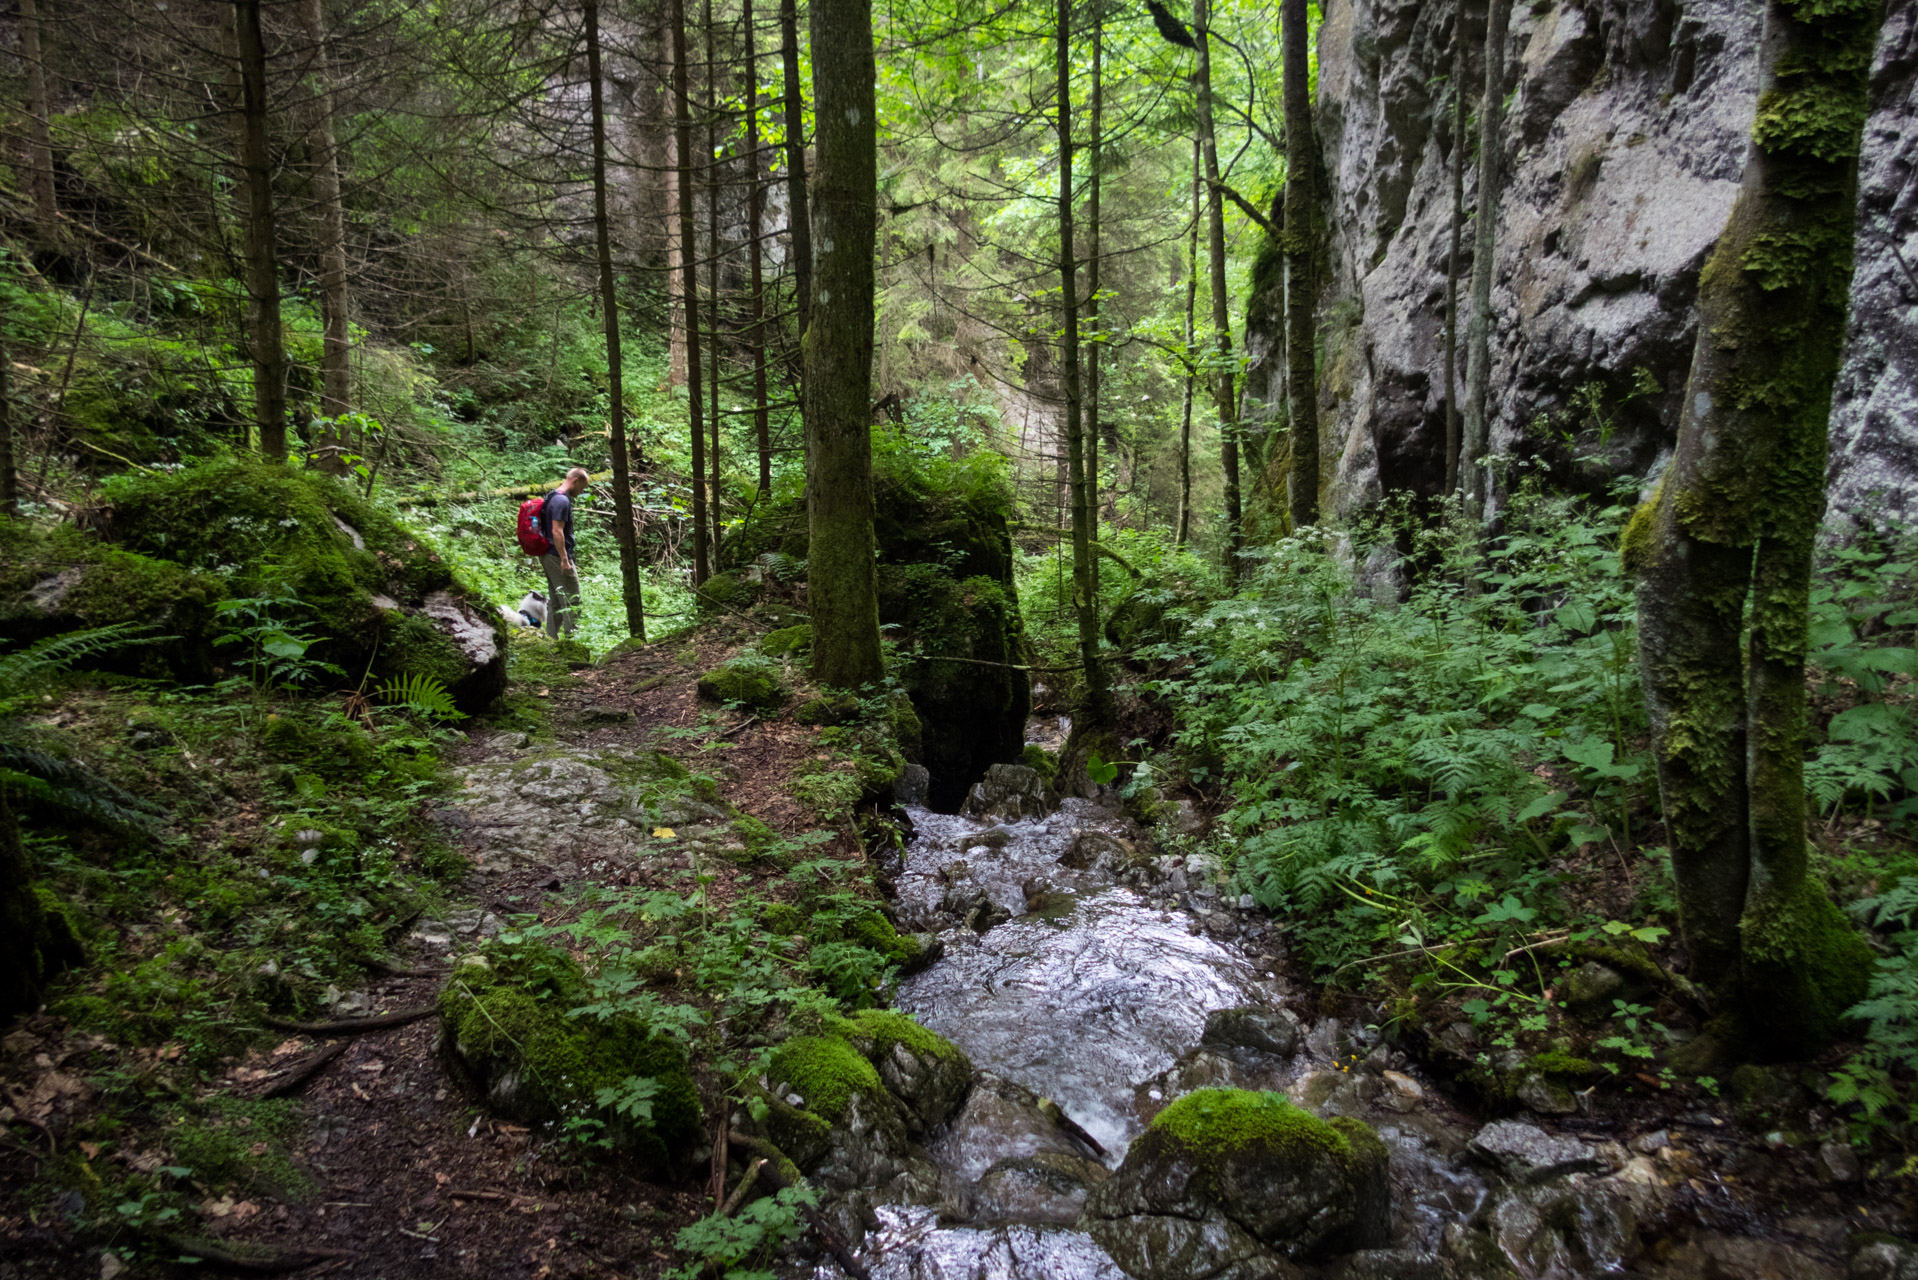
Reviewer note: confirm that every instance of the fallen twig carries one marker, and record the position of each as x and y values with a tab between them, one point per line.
498	1196
355	1026
749	720
295	1079
738	1197
272	1260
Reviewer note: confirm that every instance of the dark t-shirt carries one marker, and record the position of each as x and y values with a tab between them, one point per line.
558	510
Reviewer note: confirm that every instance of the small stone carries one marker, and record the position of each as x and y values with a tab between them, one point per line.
1541	1094
1591	988
1247	902
1402	1092
111	1267
1837	1162
1648	1144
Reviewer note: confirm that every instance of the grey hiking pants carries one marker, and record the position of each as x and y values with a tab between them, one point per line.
562	596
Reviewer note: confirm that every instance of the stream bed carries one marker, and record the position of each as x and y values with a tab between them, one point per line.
1091	983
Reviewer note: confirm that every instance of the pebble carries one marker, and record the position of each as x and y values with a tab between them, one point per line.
1402	1092
1837	1162
1647	1144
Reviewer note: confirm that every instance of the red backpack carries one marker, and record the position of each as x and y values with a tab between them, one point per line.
531	540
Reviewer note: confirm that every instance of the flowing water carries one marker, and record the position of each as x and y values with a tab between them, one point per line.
1078	974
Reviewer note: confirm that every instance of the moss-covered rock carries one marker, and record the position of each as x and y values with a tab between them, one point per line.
508	1032
318	558
724	591
925	1072
786	640
828	709
747	681
1223	1177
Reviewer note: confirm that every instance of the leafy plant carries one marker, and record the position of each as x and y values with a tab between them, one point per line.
422	694
23	671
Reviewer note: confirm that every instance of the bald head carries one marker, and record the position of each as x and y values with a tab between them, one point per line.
576	481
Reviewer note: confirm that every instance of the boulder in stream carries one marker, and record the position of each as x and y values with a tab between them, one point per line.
1228	1182
1008	793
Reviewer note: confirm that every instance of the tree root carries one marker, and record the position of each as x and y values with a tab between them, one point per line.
295	1079
779	1173
269	1260
355	1026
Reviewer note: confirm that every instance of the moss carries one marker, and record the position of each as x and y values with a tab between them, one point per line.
241	1141
876	933
1803	967
786	640
341	751
876	1031
754	685
726	589
1562	1062
1040	761
781	918
826	1072
510	1025
827	709
1637	546
1214	1120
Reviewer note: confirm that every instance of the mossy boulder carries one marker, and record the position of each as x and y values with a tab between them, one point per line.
828	709
746	681
924	1071
322	561
725	591
508	1031
786	640
1224	1181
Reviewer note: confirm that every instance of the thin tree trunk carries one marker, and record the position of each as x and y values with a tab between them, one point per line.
336	377
689	286
799	220
9	477
1096	709
713	186
262	245
1191	370
623	527
1094	428
842	588
755	195
1301	250
1224	396
39	132
1734	519
1452	434
1478	337
675	247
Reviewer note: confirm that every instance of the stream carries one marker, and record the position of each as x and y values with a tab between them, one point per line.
1091	983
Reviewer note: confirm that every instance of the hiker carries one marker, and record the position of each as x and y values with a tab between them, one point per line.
562	577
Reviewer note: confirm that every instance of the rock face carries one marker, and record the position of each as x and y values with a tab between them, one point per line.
1625	137
1226	1182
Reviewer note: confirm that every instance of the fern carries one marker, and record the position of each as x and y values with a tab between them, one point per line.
422	695
75	791
44	659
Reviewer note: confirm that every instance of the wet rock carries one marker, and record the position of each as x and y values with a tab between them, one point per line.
1590	989
1884	1260
1094	850
999	1121
911	787
1251	1029
922	1070
1042	1188
1837	1162
1575	1227
1539	1093
1526	1153
1402	1092
1222	1177
1392	1264
1009	793
1649	1144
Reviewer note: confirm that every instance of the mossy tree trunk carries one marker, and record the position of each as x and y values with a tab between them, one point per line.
623	528
46	208
798	219
756	268
1478	335
1191	372
842	587
715	185
1224	395
1734	521
33	946
1301	293
1452	432
689	284
1096	707
336	377
1094	427
9	476
261	241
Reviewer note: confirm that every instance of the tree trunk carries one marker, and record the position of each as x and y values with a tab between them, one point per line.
1224	396
623	526
755	196
798	219
842	588
336	376
9	478
713	187
1094	428
1095	711
262	245
1301	292
689	284
1191	370
1452	434
46	209
1735	517
675	246
1478	337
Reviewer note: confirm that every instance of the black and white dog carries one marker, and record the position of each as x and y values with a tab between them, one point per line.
530	613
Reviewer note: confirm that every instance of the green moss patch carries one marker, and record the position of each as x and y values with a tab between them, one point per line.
1212	1120
748	681
825	1071
786	640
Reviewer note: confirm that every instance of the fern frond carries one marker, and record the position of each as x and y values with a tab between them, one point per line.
76	791
421	694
